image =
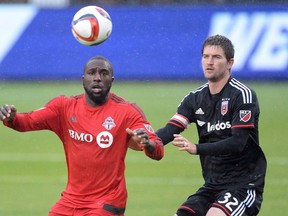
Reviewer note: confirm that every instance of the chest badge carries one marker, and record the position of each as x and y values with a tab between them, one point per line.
109	123
224	107
104	139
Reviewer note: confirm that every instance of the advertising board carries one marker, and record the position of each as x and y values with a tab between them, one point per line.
147	43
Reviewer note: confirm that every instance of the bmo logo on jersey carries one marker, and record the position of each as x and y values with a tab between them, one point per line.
80	137
103	139
218	126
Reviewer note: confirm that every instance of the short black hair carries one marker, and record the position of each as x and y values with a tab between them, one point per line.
223	42
101	58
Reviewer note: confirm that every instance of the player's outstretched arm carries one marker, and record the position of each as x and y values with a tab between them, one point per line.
7	113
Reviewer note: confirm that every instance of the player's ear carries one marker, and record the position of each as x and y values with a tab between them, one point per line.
112	78
230	63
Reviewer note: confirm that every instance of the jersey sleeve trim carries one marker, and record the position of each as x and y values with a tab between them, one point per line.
179	120
243	126
245	91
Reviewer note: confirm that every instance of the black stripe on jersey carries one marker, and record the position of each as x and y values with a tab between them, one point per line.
246	92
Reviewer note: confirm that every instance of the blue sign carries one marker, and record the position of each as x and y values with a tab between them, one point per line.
147	43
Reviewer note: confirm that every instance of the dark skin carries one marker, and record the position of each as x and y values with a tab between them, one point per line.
97	82
7	113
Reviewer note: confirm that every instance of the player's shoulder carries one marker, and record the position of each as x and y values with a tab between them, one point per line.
195	95
75	98
65	99
118	99
241	89
71	99
200	89
238	85
125	104
198	92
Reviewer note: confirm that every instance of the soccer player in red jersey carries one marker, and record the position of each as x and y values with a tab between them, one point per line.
96	129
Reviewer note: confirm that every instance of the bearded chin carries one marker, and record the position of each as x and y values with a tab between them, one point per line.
98	99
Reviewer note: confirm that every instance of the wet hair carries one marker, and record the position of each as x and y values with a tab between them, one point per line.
223	42
101	58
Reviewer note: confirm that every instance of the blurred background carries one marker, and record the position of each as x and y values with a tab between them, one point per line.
65	3
150	40
155	47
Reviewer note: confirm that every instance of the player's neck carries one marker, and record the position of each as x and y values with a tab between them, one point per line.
216	87
96	102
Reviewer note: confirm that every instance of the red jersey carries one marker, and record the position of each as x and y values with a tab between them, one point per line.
95	143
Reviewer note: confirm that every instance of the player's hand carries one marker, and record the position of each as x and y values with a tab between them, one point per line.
140	136
183	144
7	112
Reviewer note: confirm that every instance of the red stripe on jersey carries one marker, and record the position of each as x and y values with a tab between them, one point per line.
176	124
217	205
188	209
180	121
243	126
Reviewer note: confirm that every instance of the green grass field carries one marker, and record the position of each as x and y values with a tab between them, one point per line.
33	170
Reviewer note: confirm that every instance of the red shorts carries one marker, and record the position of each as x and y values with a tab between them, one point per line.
62	210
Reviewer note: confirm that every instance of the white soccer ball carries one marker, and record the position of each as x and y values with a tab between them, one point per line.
91	25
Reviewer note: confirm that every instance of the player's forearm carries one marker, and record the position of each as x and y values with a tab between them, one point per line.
35	120
166	133
19	123
155	149
233	144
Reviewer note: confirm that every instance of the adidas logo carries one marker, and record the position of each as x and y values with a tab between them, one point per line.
199	112
72	119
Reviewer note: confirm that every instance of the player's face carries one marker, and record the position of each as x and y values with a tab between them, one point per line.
97	81
214	63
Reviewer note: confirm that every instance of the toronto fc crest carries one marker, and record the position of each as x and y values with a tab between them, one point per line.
109	123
